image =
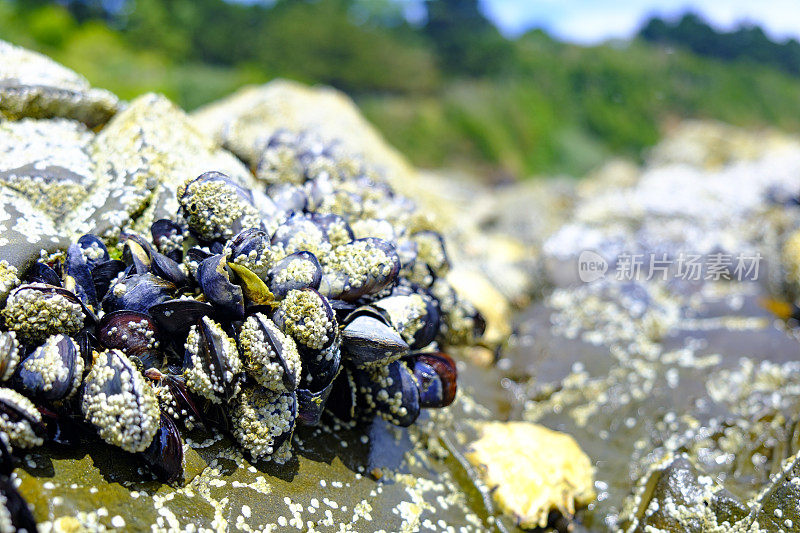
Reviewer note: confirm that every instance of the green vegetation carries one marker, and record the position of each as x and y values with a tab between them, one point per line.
448	92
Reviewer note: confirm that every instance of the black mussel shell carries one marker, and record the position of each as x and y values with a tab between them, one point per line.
78	276
211	362
20	420
168	238
53	371
94	250
133	332
165	453
335	228
288	197
104	274
6	458
62	428
138	252
320	368
299	233
119	403
175	317
269	356
43	273
391	390
215	282
415	316
16	508
36	310
369	338
296	271
175	399
361	267
437	378
138	292
343	399
307	316
262	421
310	405
215	207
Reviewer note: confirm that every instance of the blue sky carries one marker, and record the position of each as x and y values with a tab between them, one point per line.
591	21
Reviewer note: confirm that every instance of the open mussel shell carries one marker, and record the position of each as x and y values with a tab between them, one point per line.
165	453
269	357
390	390
296	271
215	207
168	238
308	318
361	267
175	317
20	420
414	315
53	371
94	250
15	514
119	403
368	338
10	354
437	379
215	282
135	333
36	310
139	253
138	292
262	421
211	362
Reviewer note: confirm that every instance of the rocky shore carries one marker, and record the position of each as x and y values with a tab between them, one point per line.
681	389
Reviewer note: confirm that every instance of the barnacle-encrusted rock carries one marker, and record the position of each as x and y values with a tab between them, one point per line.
532	470
119	403
32	85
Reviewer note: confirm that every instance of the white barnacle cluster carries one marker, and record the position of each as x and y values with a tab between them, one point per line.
260	417
47	364
307	321
9	354
9	279
261	358
16	421
143	329
213	207
119	403
257	261
35	314
407	314
359	260
298	270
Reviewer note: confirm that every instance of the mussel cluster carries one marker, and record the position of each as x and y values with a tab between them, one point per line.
249	312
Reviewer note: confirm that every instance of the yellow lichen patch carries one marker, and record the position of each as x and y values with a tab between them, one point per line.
532	470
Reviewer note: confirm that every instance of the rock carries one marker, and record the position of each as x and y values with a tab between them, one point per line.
34	86
82	182
532	470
